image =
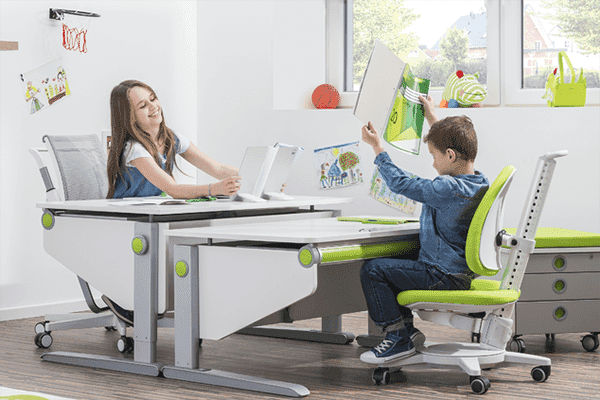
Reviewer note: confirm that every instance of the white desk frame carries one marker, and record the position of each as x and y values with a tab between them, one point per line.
188	325
147	219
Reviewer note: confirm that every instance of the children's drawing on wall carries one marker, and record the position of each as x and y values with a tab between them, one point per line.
380	192
45	85
338	166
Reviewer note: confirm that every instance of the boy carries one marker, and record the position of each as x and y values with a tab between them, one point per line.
449	202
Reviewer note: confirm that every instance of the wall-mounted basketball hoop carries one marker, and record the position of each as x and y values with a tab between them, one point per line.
73	38
59	13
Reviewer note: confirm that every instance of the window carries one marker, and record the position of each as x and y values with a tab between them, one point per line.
420	33
434	43
525	38
551	25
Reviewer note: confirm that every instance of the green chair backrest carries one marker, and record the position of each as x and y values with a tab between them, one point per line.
482	254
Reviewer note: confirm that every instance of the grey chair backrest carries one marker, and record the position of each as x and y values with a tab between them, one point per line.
81	164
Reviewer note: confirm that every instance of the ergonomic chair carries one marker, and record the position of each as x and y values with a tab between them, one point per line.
74	168
485	309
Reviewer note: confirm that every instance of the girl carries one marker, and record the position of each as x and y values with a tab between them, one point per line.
143	149
142	156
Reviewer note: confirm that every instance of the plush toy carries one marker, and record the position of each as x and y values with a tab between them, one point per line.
462	91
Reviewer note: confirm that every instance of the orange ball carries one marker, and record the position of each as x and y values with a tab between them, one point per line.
325	96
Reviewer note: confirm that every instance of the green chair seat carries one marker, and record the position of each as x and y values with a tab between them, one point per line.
559	237
482	292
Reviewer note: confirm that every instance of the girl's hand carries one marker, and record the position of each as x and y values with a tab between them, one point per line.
228	186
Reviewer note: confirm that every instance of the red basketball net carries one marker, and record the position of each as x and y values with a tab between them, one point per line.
74	39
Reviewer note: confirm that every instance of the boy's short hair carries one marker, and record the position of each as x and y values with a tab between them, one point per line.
456	133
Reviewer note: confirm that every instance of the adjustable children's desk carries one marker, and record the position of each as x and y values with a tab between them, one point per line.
120	250
229	277
561	288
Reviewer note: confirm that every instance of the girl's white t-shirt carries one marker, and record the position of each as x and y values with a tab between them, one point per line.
134	149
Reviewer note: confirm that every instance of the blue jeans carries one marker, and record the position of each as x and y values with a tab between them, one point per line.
383	279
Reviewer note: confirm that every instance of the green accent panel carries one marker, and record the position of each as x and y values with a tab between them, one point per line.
181	268
47	220
366	220
476	227
137	245
559	237
480	293
484	284
359	252
306	257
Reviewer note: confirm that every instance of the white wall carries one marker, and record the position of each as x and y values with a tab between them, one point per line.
154	44
280	65
257	63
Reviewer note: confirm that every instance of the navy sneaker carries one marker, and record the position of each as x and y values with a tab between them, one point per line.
417	337
393	347
124	315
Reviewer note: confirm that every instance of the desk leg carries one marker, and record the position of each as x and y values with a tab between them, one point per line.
373	338
145	314
145	294
187	330
331	332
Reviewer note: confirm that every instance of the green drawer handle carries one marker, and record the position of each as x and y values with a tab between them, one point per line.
559	263
560	313
560	286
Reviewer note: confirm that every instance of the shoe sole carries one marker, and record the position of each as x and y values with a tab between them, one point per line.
418	339
369	358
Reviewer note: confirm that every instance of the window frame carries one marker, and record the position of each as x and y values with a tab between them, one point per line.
504	56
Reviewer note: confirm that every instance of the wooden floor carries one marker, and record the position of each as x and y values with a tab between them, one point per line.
328	371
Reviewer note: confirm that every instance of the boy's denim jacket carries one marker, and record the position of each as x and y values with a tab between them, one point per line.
449	203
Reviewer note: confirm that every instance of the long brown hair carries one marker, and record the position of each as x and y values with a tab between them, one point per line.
125	128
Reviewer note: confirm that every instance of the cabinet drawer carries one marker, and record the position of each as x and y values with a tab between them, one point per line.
546	260
557	317
559	286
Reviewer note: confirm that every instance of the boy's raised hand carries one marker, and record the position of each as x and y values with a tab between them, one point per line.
429	106
371	137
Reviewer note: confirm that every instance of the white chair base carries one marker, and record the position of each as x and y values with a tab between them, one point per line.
471	358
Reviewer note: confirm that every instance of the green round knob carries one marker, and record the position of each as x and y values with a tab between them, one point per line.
559	286
181	268
560	313
559	263
47	221
139	245
306	257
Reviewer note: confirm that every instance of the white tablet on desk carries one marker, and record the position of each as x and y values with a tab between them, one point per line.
253	173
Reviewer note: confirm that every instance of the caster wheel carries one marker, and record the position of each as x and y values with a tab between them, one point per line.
125	344
541	373
40	327
381	376
43	340
517	346
590	342
480	384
